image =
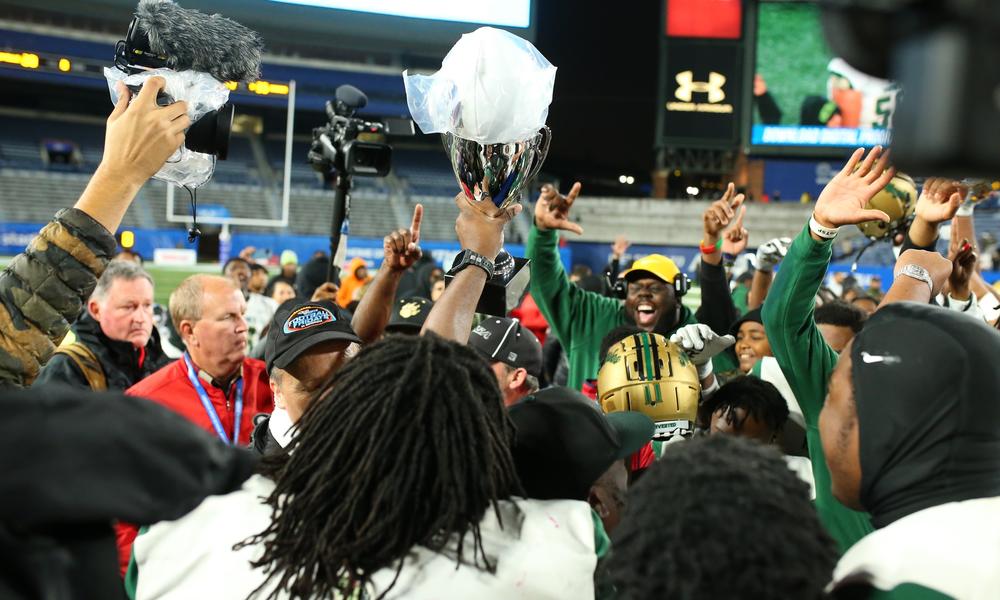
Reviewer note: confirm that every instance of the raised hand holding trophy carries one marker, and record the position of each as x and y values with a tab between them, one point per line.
490	101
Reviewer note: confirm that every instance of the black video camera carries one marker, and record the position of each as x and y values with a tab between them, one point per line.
350	145
209	134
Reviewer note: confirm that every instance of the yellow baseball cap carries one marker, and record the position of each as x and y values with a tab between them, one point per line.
656	265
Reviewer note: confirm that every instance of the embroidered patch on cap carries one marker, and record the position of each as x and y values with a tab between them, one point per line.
410	309
306	317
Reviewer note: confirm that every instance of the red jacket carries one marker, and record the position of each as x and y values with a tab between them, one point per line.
531	317
171	387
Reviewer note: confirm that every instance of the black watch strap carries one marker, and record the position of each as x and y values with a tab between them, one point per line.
467	258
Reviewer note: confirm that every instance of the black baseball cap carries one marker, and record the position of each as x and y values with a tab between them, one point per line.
751	316
299	325
409	315
507	341
564	443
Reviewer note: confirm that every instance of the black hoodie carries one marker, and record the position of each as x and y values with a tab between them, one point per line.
75	461
927	391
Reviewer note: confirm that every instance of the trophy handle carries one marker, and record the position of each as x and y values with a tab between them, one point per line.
543	150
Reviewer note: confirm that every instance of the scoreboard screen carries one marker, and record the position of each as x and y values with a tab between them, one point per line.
804	96
503	13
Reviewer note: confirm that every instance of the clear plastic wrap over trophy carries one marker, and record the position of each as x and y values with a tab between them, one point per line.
489	102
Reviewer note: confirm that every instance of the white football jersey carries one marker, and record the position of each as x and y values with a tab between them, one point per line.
878	95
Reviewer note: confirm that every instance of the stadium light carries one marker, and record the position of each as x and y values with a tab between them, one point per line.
65	65
265	88
630	180
23	59
622	179
692	191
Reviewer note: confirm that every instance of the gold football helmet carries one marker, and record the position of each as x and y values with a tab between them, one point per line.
648	374
898	200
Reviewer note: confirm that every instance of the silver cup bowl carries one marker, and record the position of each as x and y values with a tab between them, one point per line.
492	175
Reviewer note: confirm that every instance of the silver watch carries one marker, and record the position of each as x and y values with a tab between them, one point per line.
917	272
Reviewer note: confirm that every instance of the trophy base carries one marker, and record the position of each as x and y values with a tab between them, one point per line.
500	296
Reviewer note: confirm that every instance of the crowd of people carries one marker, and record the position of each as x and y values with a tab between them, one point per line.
374	437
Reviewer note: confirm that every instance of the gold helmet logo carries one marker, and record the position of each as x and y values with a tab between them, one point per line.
898	200
648	374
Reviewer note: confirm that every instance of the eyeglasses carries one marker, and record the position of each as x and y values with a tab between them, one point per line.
653	288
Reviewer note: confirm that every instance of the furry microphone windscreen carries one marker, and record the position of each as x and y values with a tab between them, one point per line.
193	40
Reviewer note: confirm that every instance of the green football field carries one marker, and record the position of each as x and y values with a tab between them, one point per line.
166	278
792	55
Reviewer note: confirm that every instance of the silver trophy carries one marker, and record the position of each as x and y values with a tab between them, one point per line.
491	176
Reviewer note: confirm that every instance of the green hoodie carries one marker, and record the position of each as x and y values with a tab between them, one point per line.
580	319
807	361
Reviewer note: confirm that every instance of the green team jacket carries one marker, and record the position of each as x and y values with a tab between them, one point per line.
807	361
580	319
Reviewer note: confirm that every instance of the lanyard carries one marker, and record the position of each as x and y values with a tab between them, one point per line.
210	409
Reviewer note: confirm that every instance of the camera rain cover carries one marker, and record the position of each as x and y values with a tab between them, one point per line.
493	88
203	94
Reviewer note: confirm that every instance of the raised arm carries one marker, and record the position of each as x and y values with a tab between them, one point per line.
769	255
804	356
139	138
560	302
796	341
919	277
401	251
938	202
717	309
451	316
44	288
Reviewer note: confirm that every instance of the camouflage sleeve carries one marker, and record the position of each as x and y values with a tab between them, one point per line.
43	290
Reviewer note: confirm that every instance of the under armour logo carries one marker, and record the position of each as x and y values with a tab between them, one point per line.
686	86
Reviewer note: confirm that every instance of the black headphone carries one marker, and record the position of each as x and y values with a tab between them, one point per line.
619	287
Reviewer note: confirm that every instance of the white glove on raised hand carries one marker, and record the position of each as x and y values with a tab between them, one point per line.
701	344
770	253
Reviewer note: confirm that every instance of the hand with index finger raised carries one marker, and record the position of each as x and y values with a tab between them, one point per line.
400	248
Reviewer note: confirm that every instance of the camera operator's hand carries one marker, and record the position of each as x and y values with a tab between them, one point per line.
552	209
843	200
401	246
140	135
480	232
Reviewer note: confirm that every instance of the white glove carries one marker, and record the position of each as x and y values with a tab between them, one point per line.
770	253
701	344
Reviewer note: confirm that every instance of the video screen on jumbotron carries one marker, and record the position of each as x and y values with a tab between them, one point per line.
803	95
504	13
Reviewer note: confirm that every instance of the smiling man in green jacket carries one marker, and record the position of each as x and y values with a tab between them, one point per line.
581	319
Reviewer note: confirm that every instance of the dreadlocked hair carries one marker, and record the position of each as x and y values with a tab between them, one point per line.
758	398
407	444
740	525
